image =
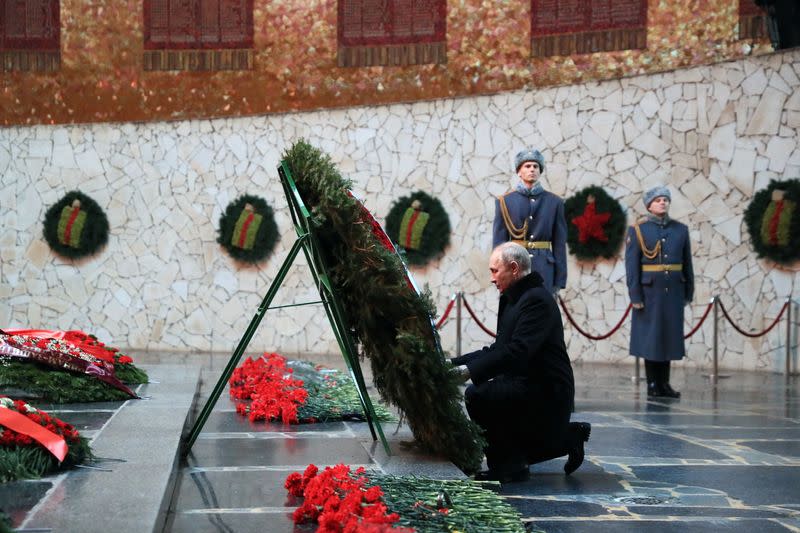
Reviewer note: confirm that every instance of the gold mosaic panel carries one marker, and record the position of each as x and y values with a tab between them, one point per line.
294	63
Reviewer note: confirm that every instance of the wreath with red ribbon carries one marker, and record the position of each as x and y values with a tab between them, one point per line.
595	224
773	221
247	229
75	226
419	226
34	443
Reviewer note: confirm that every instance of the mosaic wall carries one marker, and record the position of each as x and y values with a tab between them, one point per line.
715	134
104	73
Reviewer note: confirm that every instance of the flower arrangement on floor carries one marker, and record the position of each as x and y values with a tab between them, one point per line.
33	443
338	499
388	319
270	388
65	366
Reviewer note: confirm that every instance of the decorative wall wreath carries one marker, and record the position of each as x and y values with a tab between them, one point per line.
420	227
595	224
773	221
247	229
75	226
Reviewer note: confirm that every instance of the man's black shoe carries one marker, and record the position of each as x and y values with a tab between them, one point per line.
580	434
523	474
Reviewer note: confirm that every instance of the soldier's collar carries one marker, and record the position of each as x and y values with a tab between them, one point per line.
661	221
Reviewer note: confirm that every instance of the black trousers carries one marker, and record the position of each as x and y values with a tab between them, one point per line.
523	424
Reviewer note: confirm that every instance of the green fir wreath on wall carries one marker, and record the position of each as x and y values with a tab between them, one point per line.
773	221
595	224
75	226
419	226
247	229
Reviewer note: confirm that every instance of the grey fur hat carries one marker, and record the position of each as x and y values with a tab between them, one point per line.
529	154
655	192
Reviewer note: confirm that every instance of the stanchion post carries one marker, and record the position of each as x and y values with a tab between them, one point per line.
459	298
637	373
716	346
788	338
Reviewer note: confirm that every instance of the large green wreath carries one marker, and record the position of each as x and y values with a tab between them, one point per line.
773	221
247	229
419	225
594	231
75	226
389	320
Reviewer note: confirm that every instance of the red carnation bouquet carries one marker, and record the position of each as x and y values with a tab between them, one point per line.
33	443
272	388
340	501
267	382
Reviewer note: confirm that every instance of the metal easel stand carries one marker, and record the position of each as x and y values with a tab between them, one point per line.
307	241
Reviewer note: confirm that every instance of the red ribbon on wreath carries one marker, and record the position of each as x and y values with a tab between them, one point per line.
20	423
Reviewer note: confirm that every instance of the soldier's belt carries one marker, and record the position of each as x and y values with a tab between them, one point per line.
674	267
534	245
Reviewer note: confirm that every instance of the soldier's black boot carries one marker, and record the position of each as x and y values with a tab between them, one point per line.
666	388
651	372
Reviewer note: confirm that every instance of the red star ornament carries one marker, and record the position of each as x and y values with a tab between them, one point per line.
590	224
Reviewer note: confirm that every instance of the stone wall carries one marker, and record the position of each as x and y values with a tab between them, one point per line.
715	134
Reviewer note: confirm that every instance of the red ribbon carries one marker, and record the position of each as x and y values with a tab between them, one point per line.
20	423
410	229
245	226
70	222
773	223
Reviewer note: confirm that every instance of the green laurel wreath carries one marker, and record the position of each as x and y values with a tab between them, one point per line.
88	230
614	228
260	237
435	235
389	321
775	233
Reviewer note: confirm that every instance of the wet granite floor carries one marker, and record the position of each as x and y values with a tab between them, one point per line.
724	459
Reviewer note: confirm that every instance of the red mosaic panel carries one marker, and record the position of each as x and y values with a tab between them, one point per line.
752	20
29	25
565	27
204	24
391	32
30	35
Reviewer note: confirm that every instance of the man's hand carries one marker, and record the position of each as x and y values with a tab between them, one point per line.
461	371
638	306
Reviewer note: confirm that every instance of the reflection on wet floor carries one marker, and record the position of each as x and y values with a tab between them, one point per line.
724	460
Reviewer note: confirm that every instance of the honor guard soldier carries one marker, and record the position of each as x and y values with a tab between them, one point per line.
534	218
658	267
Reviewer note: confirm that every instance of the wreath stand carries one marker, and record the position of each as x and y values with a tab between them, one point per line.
309	243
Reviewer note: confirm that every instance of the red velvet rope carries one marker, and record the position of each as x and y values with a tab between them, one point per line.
622	320
595	337
703	319
753	335
446	312
472	313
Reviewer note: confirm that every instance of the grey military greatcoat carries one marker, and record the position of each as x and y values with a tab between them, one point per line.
537	223
659	273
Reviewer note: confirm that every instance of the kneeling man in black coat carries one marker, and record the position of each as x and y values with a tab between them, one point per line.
522	391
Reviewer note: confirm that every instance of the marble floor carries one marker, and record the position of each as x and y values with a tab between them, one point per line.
723	458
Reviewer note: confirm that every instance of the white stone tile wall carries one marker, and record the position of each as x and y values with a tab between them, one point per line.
715	134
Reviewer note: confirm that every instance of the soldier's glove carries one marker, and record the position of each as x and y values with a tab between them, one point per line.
638	306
